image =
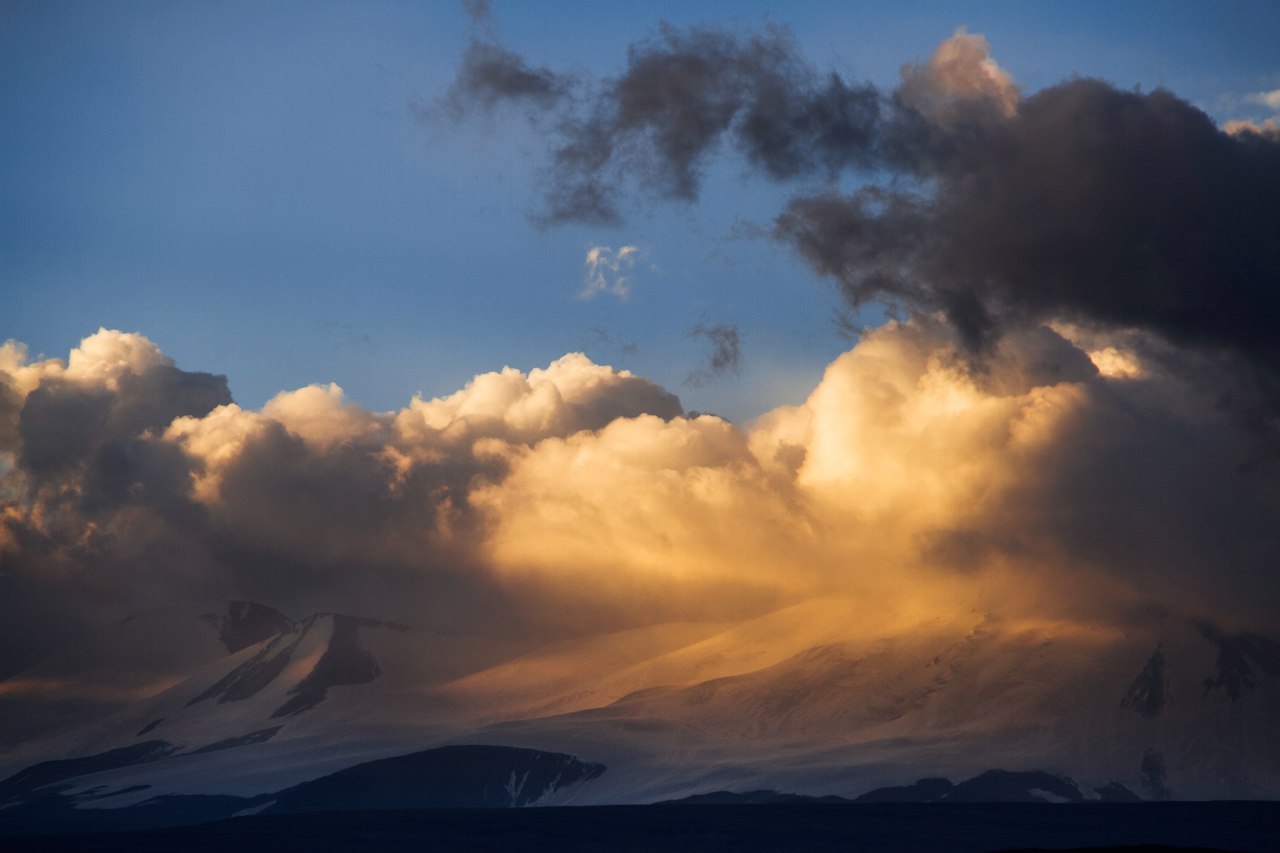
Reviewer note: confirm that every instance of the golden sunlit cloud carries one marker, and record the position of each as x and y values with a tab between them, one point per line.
958	79
911	477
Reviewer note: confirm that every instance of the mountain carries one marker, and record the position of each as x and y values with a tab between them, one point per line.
39	800
993	786
130	661
1165	706
752	798
448	777
1000	786
242	700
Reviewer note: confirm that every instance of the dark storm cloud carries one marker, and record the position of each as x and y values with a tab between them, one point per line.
1116	207
1079	202
491	75
682	93
684	90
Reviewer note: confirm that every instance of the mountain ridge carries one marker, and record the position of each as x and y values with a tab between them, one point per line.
786	702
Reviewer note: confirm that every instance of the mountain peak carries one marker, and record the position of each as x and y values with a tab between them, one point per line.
247	623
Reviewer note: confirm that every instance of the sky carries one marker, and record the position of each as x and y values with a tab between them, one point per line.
270	191
551	319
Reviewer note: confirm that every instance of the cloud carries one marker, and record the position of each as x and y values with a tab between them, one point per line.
607	271
83	426
491	75
643	520
1123	208
1076	473
1268	128
1076	202
682	92
127	482
1053	428
479	11
94	509
602	337
726	351
909	479
319	416
569	395
319	483
1271	99
959	83
685	91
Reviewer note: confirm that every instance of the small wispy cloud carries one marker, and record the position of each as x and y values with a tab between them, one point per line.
1270	100
726	351
603	338
607	271
479	11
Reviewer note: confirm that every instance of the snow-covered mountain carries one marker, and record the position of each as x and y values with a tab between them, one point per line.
245	701
1167	707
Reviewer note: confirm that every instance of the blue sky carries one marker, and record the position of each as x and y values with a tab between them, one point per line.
247	185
